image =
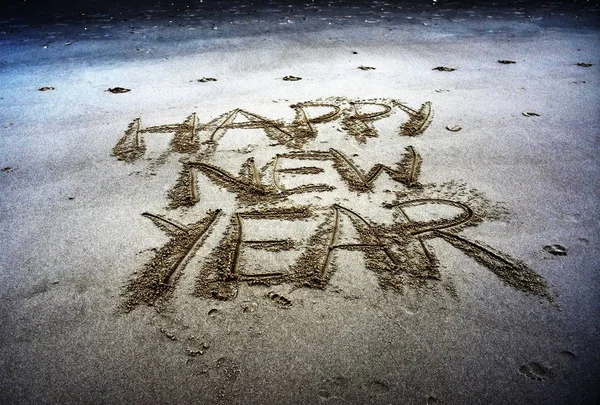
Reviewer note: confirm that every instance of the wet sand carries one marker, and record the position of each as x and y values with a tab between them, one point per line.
299	204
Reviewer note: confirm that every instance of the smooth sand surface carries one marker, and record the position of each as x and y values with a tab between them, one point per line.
422	302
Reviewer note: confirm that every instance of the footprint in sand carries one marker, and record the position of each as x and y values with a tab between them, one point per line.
556	250
432	400
333	387
535	371
118	90
567	355
279	300
224	372
227	369
377	388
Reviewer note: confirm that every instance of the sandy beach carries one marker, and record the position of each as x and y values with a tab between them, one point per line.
300	203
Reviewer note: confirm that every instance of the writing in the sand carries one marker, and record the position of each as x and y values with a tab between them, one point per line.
355	118
300	196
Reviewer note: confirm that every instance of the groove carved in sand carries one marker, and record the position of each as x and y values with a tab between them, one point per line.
189	136
396	251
